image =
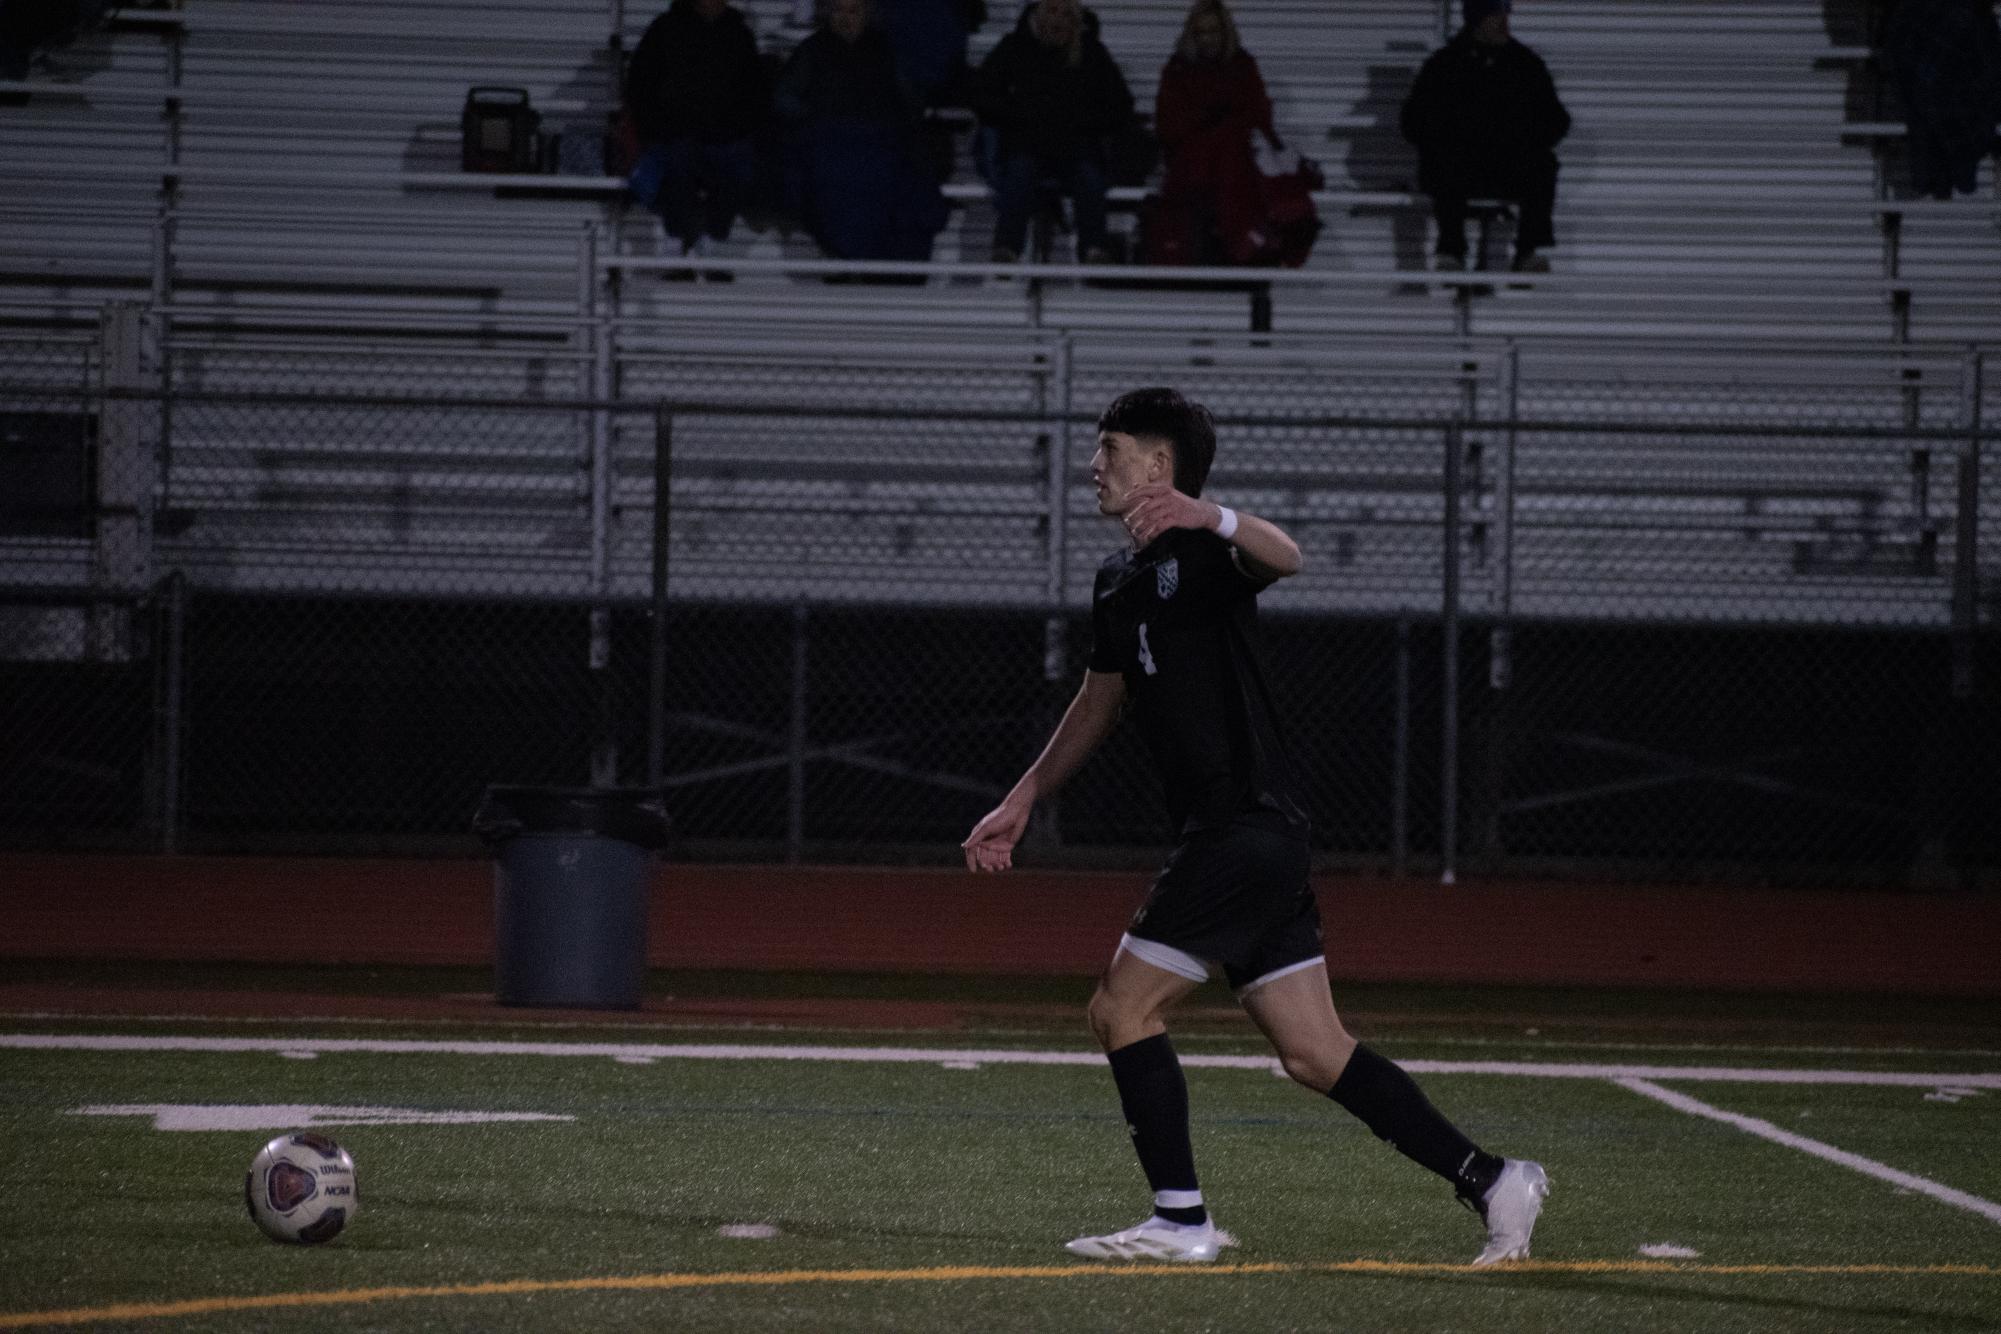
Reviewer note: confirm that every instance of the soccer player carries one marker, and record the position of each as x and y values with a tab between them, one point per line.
1175	642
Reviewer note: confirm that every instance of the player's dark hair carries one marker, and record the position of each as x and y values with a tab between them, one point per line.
1163	414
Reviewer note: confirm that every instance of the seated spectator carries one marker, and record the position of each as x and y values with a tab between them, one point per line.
697	95
1050	95
853	173
29	29
929	39
1944	59
1210	104
1486	120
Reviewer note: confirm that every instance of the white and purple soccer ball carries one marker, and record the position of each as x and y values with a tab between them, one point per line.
300	1188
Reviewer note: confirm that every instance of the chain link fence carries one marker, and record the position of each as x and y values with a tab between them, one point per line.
1662	610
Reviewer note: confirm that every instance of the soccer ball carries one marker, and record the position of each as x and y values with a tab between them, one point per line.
300	1187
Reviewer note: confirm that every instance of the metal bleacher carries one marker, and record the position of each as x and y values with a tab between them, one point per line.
276	181
1708	187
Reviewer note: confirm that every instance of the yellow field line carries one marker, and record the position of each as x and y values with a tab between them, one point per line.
783	1277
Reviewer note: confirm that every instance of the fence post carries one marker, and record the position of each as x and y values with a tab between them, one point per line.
604	745
795	743
126	467
1499	736
1053	399
656	670
1448	834
1501	666
1400	756
1056	483
158	325
169	702
1923	531
1966	535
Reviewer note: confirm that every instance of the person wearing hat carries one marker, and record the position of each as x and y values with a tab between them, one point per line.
1486	121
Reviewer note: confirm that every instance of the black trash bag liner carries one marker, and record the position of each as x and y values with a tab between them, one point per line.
636	815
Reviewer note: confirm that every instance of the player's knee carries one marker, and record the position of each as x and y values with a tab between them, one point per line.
1100	1015
1114	1022
1318	1067
1310	1069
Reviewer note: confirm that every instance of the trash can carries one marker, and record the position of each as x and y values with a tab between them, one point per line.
572	870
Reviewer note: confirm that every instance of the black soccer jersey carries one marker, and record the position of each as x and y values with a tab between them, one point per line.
1179	621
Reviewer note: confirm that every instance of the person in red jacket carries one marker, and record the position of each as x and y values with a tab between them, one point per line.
1210	103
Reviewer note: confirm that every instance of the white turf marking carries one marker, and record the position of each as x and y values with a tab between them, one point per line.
519	1023
747	1231
1752	1125
640	1053
1667	1250
298	1116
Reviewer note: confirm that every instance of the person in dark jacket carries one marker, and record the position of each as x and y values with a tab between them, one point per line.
1051	95
852	169
697	95
1944	58
1210	103
29	29
1486	120
929	38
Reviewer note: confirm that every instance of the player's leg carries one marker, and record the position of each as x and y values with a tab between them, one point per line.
1295	1010
1128	1015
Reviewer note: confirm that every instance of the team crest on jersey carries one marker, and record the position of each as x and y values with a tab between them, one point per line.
1167	577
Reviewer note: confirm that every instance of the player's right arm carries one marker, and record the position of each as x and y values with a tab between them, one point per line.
1088	721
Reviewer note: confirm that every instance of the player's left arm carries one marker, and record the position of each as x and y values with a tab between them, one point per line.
1263	549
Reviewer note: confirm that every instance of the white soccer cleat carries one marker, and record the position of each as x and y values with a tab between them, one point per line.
1510	1208
1156	1239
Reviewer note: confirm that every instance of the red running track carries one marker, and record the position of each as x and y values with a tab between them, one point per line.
394	911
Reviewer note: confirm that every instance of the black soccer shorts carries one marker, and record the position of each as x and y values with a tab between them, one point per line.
1238	897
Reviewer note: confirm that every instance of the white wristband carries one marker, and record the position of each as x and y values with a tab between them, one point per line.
1226	522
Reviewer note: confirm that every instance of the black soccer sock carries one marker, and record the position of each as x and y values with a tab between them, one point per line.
1154	1095
1389	1102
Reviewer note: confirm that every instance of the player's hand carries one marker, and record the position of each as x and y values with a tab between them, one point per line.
990	847
1155	507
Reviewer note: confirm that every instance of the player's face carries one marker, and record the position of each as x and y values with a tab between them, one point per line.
1123	463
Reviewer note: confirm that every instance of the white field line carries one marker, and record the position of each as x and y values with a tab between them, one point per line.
640	1053
297	1115
1752	1125
1533	1039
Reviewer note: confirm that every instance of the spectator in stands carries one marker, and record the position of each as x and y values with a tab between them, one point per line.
697	95
1209	112
1486	120
1944	58
1050	96
929	39
29	29
853	174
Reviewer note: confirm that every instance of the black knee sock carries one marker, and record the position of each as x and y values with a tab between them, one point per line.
1389	1102
1155	1099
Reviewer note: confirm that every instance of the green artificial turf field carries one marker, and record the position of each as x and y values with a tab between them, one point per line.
927	1181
